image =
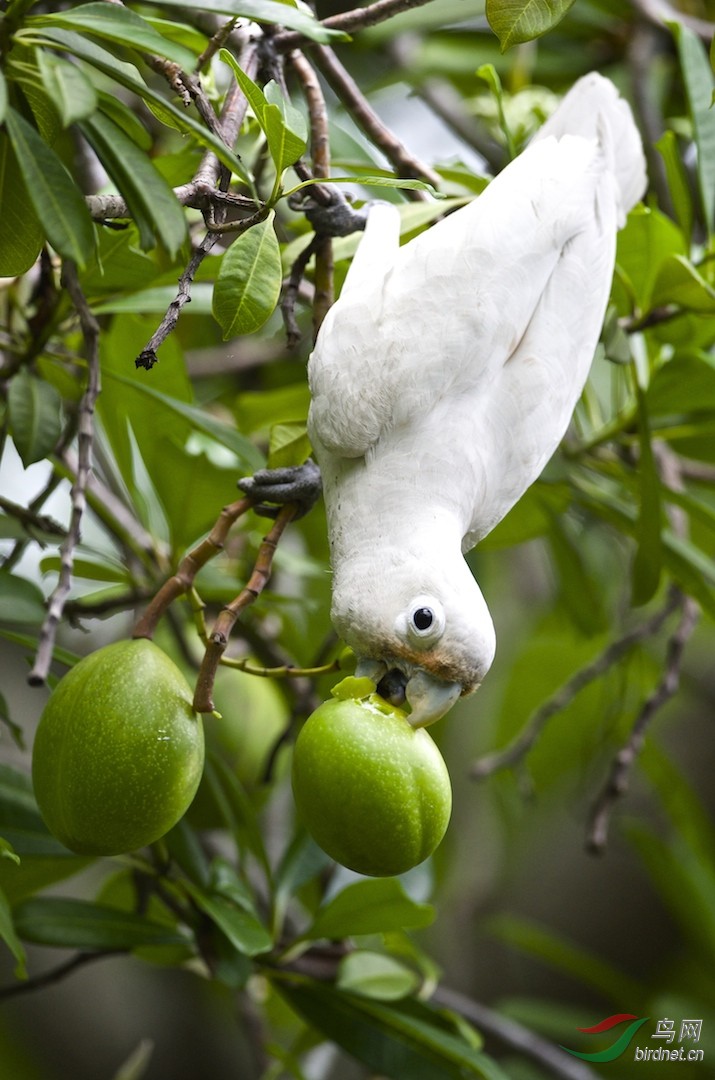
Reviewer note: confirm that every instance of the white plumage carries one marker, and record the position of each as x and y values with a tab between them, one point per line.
443	380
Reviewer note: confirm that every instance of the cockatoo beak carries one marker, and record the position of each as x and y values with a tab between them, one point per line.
429	698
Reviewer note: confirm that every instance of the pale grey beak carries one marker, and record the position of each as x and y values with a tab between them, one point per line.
429	698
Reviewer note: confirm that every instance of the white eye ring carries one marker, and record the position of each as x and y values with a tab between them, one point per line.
423	623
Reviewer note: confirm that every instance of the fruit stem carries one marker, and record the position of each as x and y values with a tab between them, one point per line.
218	639
182	581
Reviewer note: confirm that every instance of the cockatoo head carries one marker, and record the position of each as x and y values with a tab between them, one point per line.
422	632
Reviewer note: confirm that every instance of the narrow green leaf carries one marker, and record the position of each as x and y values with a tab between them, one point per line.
301	863
245	451
698	80
370	907
154	207
156	300
117	23
374	180
679	282
57	200
15	729
8	934
20	600
21	235
249	282
88	569
514	21
242	928
667	146
377	976
79	924
70	90
3	97
267	11
35	416
491	76
127	75
285	128
648	562
408	1041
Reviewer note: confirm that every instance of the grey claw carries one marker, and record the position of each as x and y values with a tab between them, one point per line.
299	484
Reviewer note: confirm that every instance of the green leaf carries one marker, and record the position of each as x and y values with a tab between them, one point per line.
70	90
117	23
14	729
682	385
302	862
667	146
79	924
242	928
490	75
3	97
127	75
289	445
225	435
375	180
57	200
370	907
9	935
646	241
35	416
22	235
648	562
514	21
679	282
88	569
267	11
249	283
377	976
409	1041
20	600
152	203
156	300
698	79
561	955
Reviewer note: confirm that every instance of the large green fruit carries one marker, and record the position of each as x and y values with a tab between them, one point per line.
119	750
373	791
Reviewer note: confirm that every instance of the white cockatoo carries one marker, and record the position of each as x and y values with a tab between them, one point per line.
442	381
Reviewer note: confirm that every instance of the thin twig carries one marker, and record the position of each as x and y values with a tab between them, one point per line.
660	13
509	1033
350	21
78	495
611	655
619	776
291	290
218	640
320	153
56	974
354	101
182	581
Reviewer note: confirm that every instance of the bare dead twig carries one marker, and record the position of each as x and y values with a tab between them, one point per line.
619	776
611	655
78	496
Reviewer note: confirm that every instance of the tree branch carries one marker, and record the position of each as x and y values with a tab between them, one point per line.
350	21
611	655
85	438
357	105
619	777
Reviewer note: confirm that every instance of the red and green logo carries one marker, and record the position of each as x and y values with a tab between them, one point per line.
616	1048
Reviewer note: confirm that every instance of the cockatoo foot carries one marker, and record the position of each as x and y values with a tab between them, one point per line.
273	488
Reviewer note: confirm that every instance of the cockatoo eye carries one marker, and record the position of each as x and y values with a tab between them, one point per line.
423	622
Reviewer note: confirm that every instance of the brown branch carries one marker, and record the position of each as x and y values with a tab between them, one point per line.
350	21
216	42
619	777
355	102
78	495
522	744
183	579
218	640
56	974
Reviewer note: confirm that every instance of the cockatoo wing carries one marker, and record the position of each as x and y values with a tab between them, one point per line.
448	311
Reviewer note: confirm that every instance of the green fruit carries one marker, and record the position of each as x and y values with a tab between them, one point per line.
373	791
119	750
